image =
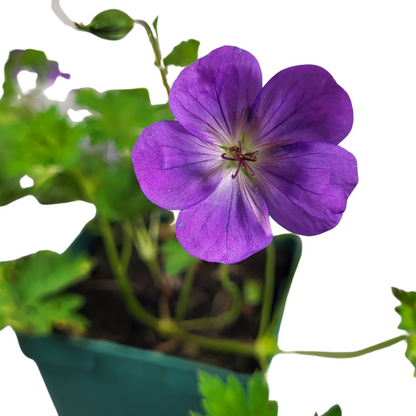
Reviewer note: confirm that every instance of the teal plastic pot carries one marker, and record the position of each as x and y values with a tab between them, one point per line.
98	378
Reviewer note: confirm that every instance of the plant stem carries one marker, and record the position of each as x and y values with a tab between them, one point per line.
264	364
225	318
185	292
146	246
351	354
147	250
268	290
222	345
133	304
127	246
158	55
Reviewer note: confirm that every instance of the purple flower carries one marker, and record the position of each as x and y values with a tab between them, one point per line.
239	153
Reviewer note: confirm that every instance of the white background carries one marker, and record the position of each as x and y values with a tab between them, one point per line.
341	298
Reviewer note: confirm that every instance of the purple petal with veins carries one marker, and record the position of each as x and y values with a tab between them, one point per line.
239	153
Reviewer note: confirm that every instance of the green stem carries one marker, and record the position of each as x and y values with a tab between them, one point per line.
351	354
158	55
185	292
133	304
126	249
225	318
268	290
264	364
221	345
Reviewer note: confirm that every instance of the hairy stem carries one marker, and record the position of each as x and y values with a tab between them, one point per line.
225	318
158	55
268	290
351	354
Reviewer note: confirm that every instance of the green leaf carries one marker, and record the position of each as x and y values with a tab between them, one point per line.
29	301
333	411
46	138
176	258
119	115
7	296
120	196
407	311
183	54
46	273
258	396
10	189
110	25
154	24
230	399
40	317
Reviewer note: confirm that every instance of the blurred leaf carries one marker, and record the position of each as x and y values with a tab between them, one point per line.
120	197
333	411
44	139
29	60
407	311
252	291
119	115
258	396
46	273
7	298
183	54
10	189
176	258
40	317
154	24
230	399
35	139
29	301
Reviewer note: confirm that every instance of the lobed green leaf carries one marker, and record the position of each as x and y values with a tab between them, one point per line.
230	399
46	273
407	311
45	138
40	317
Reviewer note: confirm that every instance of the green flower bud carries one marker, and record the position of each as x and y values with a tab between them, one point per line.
110	24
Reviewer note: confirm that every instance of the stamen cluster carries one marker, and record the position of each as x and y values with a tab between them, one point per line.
241	158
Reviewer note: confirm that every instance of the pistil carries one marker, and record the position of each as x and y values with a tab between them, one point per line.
241	158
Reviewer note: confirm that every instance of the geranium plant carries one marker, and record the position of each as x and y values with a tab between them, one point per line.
225	151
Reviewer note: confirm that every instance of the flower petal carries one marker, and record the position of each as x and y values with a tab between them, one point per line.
229	226
174	168
301	103
212	97
306	185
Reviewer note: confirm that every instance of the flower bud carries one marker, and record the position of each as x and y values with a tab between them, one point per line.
110	24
